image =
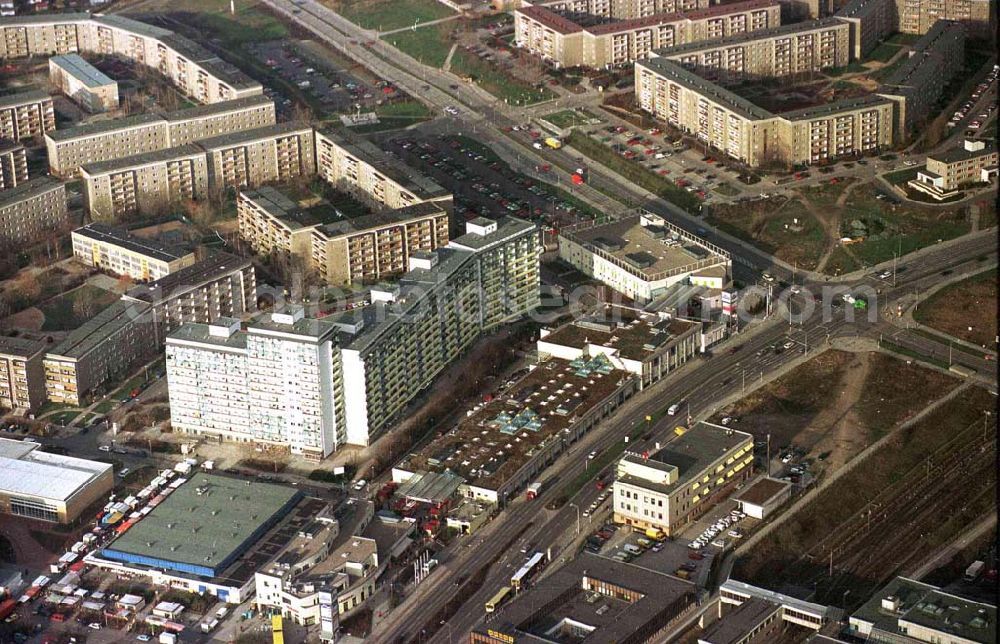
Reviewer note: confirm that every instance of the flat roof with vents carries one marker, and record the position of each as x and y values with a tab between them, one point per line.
492	443
204	525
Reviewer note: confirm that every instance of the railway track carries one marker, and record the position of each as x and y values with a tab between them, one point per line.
893	528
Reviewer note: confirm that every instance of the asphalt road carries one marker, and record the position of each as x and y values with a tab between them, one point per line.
701	385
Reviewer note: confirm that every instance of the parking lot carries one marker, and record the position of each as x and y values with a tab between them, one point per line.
977	110
483	184
333	88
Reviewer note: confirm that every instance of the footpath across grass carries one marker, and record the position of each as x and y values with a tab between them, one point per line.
513	91
385	15
660	186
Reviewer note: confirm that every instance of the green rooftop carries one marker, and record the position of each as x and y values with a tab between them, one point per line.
204	525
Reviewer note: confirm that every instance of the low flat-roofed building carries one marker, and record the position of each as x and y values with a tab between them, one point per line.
26	115
102	351
31	209
754	620
642	255
908	611
114	249
501	447
210	535
83	82
591	598
647	345
360	249
219	286
346	575
22	376
250	158
355	165
793	610
147	183
49	487
228	516
946	172
13	165
676	484
763	496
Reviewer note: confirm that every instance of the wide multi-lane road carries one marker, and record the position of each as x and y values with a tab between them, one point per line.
701	385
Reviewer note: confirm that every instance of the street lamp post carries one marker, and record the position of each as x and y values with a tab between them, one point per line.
577	508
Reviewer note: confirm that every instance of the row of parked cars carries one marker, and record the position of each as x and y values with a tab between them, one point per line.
960	114
711	532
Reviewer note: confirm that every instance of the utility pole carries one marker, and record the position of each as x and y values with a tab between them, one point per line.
769	453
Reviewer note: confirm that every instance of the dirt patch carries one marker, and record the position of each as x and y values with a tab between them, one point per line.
895	507
966	310
31	319
837	404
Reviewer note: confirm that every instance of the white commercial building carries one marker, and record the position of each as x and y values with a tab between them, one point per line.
278	382
49	487
643	255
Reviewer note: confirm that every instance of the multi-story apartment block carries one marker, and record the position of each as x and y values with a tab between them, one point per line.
102	351
221	286
13	165
749	133
145	183
83	82
620	9
205	121
355	165
313	385
250	158
782	51
143	133
70	148
916	85
974	162
196	72
277	383
114	249
26	115
31	208
362	249
565	43
22	377
675	485
871	21
444	303
918	16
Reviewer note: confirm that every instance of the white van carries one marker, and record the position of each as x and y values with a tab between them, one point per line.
632	549
673	409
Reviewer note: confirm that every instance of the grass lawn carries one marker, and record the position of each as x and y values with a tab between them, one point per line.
569	118
497	82
251	23
429	45
393	116
385	15
903	39
902	176
773	228
726	190
62	417
71	309
891	229
661	186
965	310
883	52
